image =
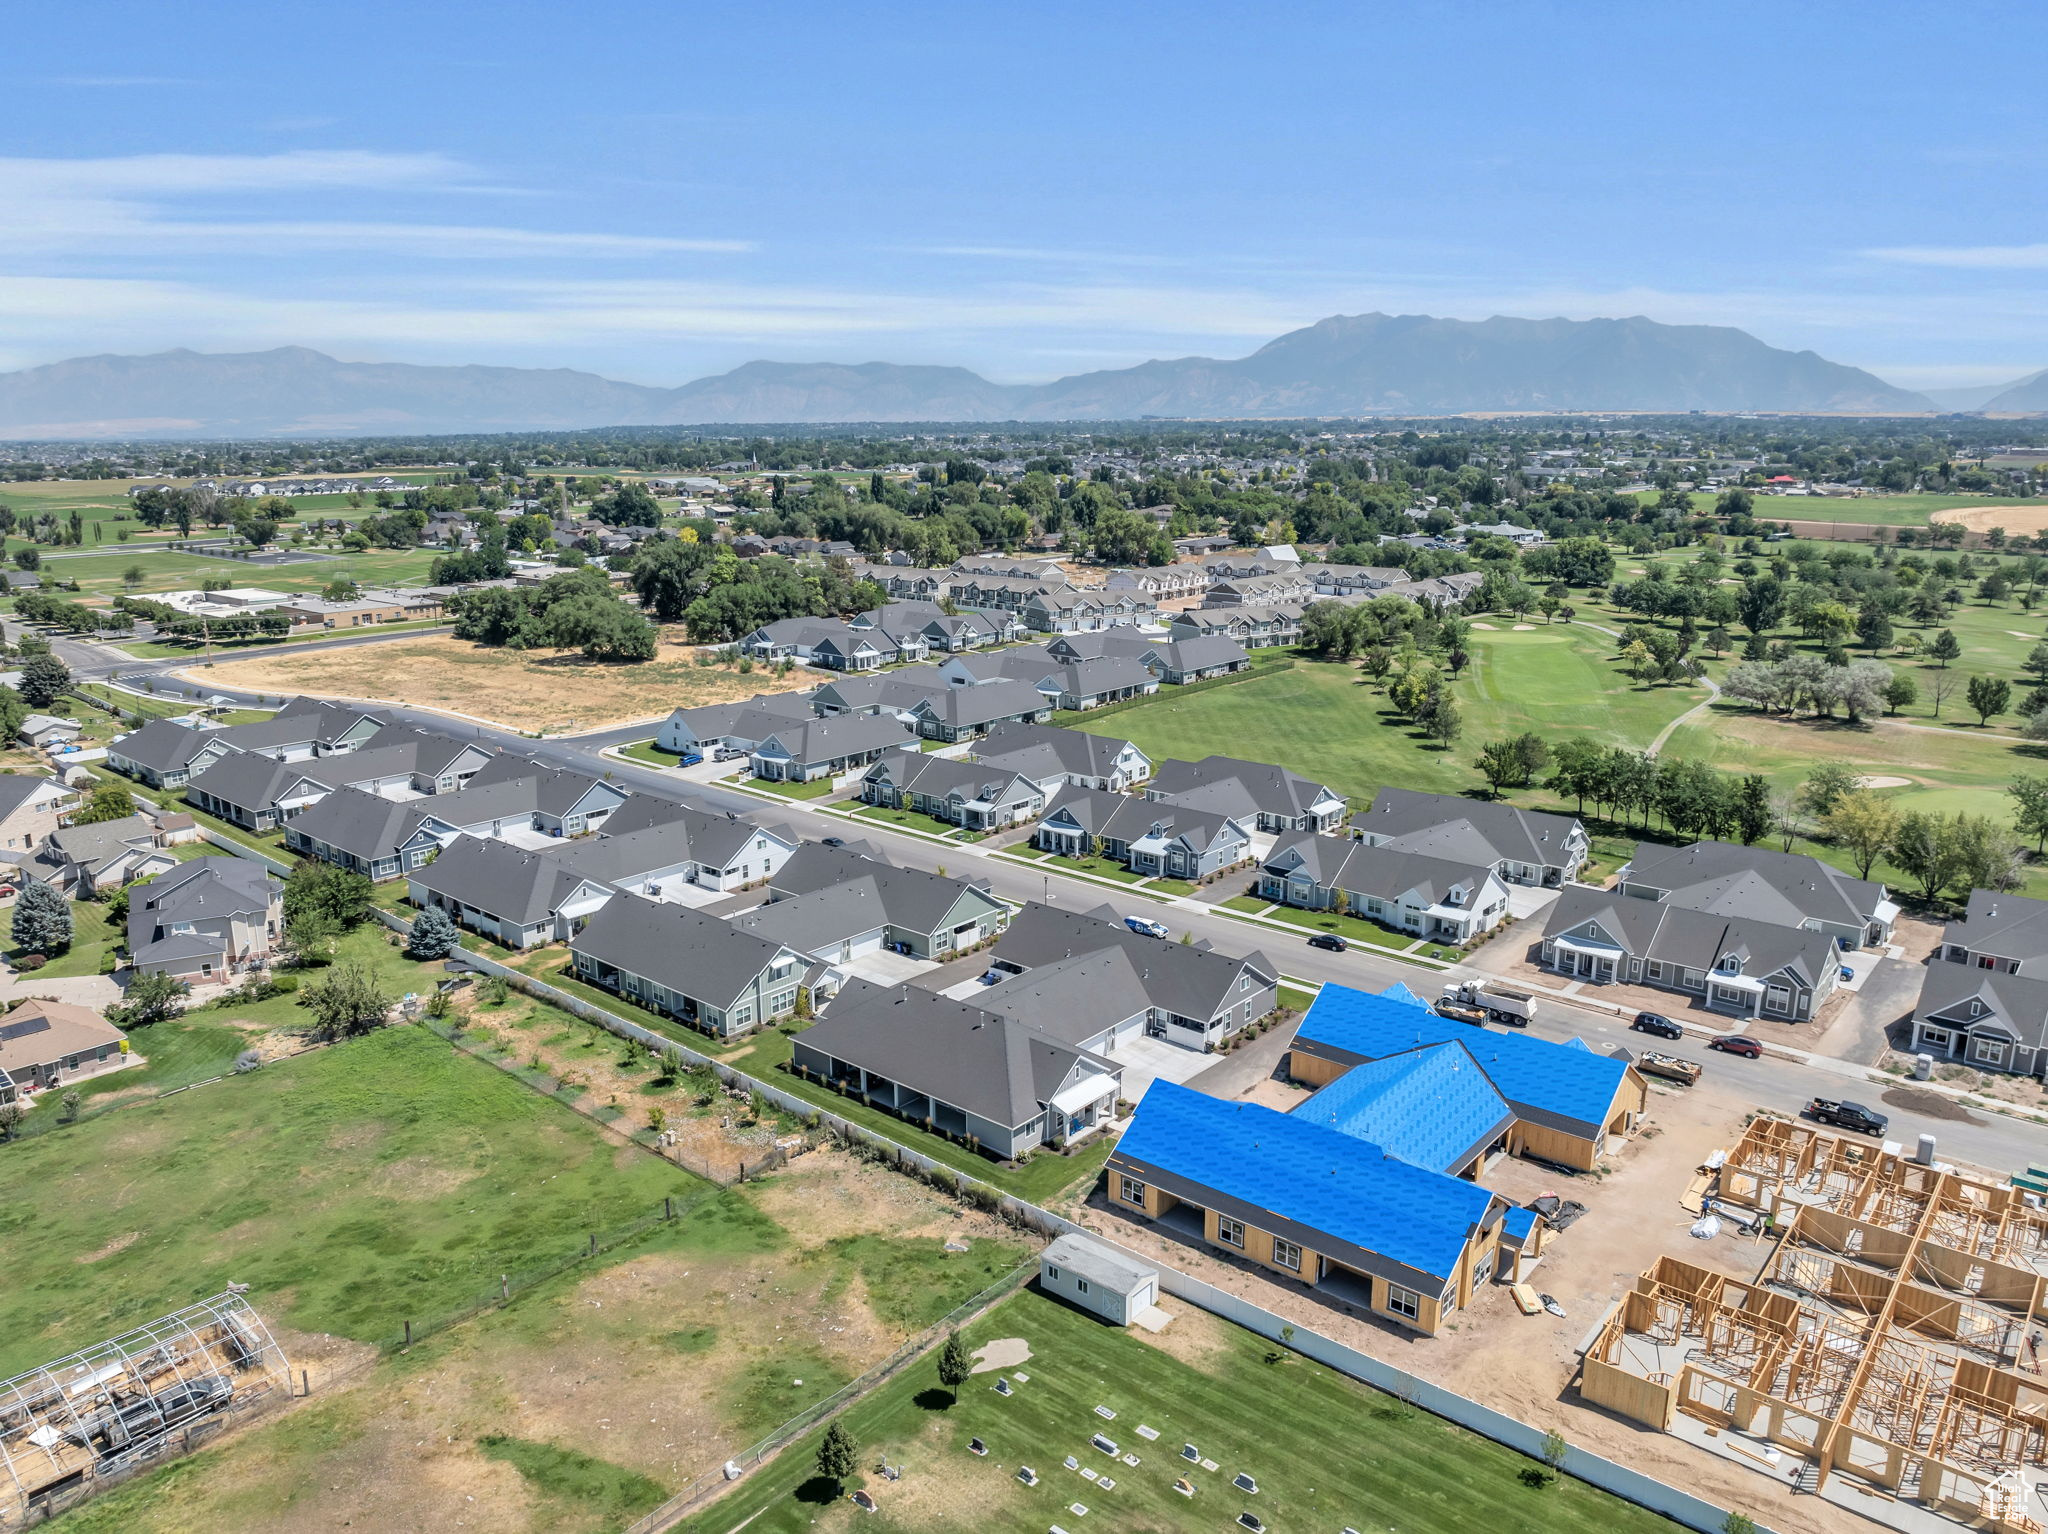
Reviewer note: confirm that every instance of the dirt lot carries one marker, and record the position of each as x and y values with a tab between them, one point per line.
1520	1364
2014	519
557	691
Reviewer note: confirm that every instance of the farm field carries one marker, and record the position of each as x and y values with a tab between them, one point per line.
1202	1381
1326	721
393	1177
526	689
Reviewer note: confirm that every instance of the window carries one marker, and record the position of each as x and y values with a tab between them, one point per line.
1654	968
1988	1051
1051	1271
1081	1285
1985	961
1230	1232
1939	1037
1130	1190
1403	1302
1286	1255
1778	998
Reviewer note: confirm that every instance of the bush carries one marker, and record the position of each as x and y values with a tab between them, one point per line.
29	961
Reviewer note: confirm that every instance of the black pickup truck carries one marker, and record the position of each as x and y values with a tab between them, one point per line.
1844	1115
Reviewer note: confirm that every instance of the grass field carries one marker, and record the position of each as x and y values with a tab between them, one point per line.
392	1177
1865	510
1204	1382
554	692
164	649
103	575
1325	721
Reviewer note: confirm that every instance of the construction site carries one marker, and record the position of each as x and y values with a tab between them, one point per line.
71	1427
1886	1355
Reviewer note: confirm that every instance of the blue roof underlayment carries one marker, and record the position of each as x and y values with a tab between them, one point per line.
1309	1174
1429	1107
1534	1073
1399	991
1516	1225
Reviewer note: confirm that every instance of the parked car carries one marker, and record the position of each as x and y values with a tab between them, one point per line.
1658	1024
690	758
1738	1044
729	753
1146	926
832	841
1328	940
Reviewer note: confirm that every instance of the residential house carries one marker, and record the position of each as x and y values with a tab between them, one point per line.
1174	662
1072	609
1520	846
205	920
962	713
1159	583
1278	799
1750	966
710	974
1154	839
799	752
1053	757
738	725
103	855
1985	999
42	731
836	904
1252	627
961	793
1790	889
46	1044
30	807
1130	986
982	1076
1443	898
2004	932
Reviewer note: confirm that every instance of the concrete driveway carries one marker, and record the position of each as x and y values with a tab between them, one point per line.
1148	1060
96	991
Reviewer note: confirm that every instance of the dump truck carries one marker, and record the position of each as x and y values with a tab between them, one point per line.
1497	1003
1847	1115
1670	1067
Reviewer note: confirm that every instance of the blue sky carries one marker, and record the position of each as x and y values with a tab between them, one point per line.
657	191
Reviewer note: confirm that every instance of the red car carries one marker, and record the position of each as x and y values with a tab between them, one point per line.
1738	1044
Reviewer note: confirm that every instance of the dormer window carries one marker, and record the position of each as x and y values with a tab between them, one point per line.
1976	1007
1730	965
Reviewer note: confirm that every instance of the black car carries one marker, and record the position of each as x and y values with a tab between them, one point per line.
1656	1023
1328	940
832	841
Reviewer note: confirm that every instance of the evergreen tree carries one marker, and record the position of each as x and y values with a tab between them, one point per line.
433	935
838	1454
42	919
1946	647
955	1365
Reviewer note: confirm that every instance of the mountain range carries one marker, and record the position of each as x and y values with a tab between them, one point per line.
2021	396
1347	365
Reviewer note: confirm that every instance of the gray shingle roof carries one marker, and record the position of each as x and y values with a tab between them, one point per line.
162	745
1754	882
1274	790
691	953
983	1062
362	823
2017	1002
911	898
2005	926
1040	750
1676	934
1189	979
825	740
1448	825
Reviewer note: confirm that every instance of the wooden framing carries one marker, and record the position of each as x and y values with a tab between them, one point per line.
1890	1334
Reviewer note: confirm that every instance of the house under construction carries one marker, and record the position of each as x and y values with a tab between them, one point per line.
1892	1337
141	1396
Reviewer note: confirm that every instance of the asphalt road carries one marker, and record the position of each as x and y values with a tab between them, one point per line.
1993	1141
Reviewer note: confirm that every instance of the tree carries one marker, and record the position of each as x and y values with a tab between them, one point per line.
346	1002
1900	692
1499	764
109	801
2029	797
1825	785
434	935
1988	695
1441	718
631	505
338	894
1923	850
1874	628
341	589
44	679
133	576
42	919
1753	810
28	559
956	1367
309	937
1738	1523
1939	686
149	999
838	1455
1946	647
2036	664
1863	824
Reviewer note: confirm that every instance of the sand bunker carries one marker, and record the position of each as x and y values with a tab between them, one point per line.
1882	780
1523	628
1980	519
1485	625
1003	1353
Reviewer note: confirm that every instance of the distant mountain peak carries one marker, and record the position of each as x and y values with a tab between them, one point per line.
1342	365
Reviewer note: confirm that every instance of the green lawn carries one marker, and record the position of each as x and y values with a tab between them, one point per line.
817	788
1053	862
1043	1178
386	1179
931	825
92	936
647	751
1355	929
1325	721
1326	1451
104	574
